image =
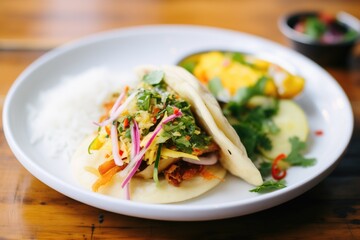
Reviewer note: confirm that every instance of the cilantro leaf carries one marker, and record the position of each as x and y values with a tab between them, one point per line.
215	86
314	27
143	100
265	169
238	57
295	158
243	95
248	137
189	65
154	77
269	186
253	124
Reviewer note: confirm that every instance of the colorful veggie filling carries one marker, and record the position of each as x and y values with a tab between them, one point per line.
150	131
325	28
252	92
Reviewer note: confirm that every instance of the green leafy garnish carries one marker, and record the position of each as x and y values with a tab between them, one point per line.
189	65
154	77
184	134
253	125
314	27
238	57
147	98
243	95
295	157
215	86
265	169
269	186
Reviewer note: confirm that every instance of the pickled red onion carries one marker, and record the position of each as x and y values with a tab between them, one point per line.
135	163
118	111
118	100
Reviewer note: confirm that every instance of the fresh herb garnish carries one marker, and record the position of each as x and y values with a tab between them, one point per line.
215	86
189	65
243	95
269	186
185	135
253	125
154	77
314	27
265	169
146	98
182	134
295	157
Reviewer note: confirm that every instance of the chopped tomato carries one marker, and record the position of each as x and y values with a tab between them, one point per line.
126	123
176	110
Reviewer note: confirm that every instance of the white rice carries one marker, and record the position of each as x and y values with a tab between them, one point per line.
63	116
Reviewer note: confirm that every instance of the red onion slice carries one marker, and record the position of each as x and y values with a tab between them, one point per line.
118	111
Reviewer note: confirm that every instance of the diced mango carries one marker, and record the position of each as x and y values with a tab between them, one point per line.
235	74
292	86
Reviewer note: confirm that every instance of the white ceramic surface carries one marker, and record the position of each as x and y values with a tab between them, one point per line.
324	102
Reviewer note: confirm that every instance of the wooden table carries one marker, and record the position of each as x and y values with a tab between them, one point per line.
31	210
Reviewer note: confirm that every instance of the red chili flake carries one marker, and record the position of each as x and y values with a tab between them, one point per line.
121	152
319	132
276	172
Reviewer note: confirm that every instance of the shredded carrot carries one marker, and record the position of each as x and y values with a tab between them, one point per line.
126	89
108	105
209	175
106	166
103	117
156	110
107	129
104	179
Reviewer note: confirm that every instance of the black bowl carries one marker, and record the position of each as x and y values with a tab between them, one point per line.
326	54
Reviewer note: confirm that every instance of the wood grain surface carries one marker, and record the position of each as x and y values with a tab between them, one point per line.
31	210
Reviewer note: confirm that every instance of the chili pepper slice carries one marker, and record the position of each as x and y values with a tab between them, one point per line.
276	172
319	132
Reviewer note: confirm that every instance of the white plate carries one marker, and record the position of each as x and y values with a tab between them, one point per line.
324	102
